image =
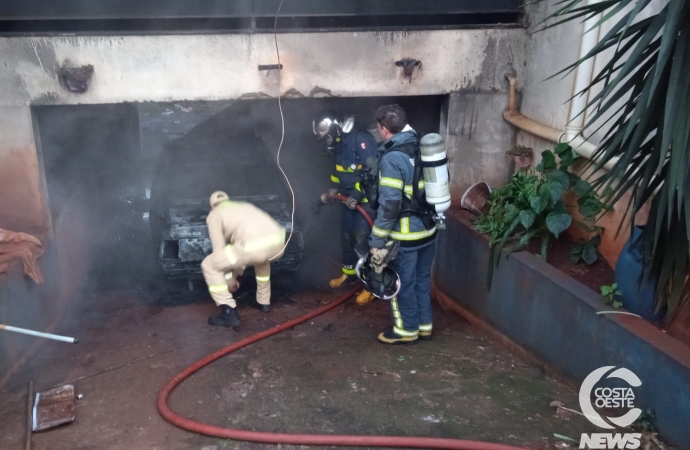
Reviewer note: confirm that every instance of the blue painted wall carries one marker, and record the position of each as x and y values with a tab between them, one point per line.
554	317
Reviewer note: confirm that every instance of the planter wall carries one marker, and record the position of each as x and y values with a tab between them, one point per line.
553	317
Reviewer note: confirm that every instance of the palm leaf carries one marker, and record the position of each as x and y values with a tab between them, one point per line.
643	99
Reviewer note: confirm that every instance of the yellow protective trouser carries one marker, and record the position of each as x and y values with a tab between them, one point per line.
221	268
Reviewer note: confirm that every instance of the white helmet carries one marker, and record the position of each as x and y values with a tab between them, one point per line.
328	126
217	197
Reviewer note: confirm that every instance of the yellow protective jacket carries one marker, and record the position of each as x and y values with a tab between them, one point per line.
250	233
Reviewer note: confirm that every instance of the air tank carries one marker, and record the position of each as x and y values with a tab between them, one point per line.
436	174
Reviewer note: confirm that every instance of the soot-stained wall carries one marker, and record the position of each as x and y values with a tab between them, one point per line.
468	64
22	204
105	158
224	66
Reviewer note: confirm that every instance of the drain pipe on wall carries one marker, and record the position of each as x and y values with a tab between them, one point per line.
583	76
578	104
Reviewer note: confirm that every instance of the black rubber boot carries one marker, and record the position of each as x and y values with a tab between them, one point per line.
265	308
425	336
391	338
228	317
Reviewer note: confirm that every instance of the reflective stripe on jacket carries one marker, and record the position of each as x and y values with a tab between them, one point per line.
244	226
351	155
396	173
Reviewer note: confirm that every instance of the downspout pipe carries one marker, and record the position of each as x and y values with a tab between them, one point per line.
576	120
583	77
513	116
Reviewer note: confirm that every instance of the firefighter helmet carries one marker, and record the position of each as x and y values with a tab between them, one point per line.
329	125
217	197
384	285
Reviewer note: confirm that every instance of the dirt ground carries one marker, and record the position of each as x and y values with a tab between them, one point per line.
325	376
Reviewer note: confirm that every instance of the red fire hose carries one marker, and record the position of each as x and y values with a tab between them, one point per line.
302	439
359	208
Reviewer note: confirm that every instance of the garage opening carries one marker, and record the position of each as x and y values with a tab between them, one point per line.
135	180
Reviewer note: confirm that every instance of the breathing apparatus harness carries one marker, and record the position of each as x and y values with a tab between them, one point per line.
417	205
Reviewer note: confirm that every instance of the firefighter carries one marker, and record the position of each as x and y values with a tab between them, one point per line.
242	235
404	216
354	150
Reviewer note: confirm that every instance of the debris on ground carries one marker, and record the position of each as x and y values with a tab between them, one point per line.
433	419
564	441
183	109
53	408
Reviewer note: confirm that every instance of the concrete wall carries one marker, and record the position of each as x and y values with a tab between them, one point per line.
547	53
217	67
554	318
477	138
471	64
22	204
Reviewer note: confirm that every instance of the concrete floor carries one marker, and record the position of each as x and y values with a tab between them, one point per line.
327	376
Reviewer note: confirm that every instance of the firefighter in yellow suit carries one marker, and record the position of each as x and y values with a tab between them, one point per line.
242	235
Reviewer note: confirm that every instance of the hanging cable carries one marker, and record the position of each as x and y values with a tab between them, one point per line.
282	133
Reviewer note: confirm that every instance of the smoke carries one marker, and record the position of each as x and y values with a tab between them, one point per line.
102	167
117	158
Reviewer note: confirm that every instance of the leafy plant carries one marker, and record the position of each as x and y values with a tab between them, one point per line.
610	293
530	206
586	251
643	96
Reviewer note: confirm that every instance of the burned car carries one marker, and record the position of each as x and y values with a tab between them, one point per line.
189	171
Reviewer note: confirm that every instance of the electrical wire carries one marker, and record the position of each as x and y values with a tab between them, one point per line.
282	134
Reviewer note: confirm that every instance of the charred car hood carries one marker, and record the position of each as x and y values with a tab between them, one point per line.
187	218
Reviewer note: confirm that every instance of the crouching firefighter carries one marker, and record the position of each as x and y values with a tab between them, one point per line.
242	235
353	150
403	215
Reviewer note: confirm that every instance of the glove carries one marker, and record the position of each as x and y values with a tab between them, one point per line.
380	257
233	284
328	196
351	203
